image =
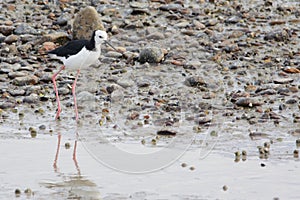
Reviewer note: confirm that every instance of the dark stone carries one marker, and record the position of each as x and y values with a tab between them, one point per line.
166	133
151	55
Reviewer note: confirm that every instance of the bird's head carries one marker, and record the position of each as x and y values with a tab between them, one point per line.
100	36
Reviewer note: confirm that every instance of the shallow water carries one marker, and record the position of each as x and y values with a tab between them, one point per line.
112	163
28	163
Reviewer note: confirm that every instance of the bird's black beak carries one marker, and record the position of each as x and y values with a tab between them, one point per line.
106	42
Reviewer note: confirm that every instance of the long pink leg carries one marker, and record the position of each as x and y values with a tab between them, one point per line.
74	94
56	91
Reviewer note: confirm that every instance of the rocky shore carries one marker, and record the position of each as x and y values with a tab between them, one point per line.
218	62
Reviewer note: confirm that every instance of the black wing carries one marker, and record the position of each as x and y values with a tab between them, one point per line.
71	48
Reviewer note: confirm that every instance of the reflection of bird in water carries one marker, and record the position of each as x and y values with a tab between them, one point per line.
57	153
73	186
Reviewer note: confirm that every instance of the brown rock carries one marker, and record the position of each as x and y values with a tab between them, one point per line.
247	102
86	21
11	39
198	24
25	80
277	22
47	46
283	80
291	70
51	15
6	30
11	7
195	81
277	35
8	23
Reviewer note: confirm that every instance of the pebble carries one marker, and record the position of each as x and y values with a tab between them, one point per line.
291	101
64	90
171	7
198	24
279	35
233	20
33	132
204	120
155	36
32	98
183	165
6	105
211	22
28	192
166	133
6	30
153	142
47	46
114	54
296	153
17	92
25	80
125	83
61	21
244	153
283	80
13	75
25	29
143	83
257	134
28	38
151	55
67	145
195	81
248	102
291	70
237	154
11	39
268	92
283	91
25	48
140	5
192	168
42	127
17	192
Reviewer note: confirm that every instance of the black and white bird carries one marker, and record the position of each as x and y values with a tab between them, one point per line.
75	55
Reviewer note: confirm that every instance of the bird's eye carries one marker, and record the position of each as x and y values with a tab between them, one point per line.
100	36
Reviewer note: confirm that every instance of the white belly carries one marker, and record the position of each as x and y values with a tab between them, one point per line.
83	59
